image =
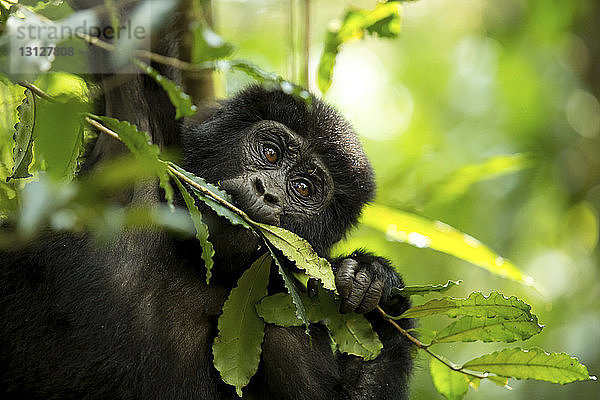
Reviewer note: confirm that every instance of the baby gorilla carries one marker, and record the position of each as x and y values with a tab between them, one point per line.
302	167
135	318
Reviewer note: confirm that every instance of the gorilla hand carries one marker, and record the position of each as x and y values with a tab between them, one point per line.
365	281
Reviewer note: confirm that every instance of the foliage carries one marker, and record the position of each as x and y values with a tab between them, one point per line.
23	137
201	228
180	100
422	233
424	289
351	333
531	364
48	140
383	20
237	348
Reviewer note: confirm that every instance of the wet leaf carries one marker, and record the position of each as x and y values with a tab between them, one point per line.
424	289
494	305
495	329
531	364
23	138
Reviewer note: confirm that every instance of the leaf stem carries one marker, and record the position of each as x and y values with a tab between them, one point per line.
210	194
159	58
37	91
425	347
181	176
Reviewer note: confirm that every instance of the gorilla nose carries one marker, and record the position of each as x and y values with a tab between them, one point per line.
268	197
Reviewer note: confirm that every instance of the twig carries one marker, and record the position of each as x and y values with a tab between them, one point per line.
425	347
37	91
174	171
102	128
171	61
210	194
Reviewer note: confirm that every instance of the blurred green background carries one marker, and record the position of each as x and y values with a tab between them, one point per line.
469	80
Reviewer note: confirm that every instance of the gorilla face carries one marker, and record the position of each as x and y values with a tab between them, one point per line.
285	163
283	179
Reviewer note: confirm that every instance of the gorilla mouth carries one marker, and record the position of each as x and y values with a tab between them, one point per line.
257	205
257	210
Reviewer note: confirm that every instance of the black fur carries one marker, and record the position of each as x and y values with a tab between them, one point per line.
135	318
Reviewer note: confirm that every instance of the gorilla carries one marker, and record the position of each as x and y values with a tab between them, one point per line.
135	318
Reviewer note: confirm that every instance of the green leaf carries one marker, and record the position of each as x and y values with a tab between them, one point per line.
59	135
531	364
208	45
299	250
180	100
459	182
278	309
201	229
23	137
423	334
496	329
4	14
53	10
424	289
140	144
267	79
78	150
495	305
420	232
352	332
217	207
383	21
451	384
237	347
299	309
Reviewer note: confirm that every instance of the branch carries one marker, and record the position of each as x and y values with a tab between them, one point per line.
425	347
171	61
37	91
179	175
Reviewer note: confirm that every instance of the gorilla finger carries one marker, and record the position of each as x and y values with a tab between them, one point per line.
372	297
361	283
312	287
344	277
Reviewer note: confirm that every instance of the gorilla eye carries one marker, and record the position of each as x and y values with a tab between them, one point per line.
271	154
302	188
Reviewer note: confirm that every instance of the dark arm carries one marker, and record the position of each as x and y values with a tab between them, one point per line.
365	281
